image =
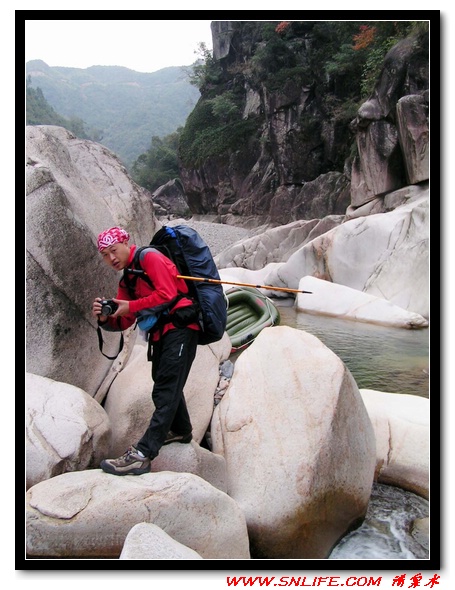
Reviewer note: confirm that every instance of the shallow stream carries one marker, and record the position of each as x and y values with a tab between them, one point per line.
386	530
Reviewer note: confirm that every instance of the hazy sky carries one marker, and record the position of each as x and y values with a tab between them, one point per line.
141	45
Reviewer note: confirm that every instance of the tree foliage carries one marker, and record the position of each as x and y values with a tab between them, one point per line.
364	38
159	164
206	71
224	106
40	112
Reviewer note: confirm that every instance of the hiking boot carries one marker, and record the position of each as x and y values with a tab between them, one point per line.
128	464
181	438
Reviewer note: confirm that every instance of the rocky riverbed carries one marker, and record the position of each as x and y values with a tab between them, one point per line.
218	236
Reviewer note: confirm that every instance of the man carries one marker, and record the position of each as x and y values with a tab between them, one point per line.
174	348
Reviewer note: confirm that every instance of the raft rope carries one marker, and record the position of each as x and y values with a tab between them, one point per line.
269	306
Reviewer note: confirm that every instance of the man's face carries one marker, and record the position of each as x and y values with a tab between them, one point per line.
116	255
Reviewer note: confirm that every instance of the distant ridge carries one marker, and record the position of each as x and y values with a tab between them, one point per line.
122	107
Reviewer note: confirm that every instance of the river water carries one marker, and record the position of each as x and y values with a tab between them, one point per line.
394	360
386	530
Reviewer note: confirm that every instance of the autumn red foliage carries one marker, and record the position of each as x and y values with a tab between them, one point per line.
364	38
282	27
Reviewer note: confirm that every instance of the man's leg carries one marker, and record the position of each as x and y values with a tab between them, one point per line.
171	364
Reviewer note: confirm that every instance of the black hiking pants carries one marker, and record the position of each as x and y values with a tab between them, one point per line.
172	357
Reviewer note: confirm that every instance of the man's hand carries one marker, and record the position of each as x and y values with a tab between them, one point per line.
96	309
123	308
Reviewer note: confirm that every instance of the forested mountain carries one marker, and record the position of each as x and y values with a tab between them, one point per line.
116	106
40	112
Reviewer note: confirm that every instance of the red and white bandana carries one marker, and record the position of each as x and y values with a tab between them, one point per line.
113	235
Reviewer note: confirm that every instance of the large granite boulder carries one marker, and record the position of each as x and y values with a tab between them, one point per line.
382	255
147	541
298	444
326	298
192	458
401	424
169	199
75	189
276	244
66	429
89	514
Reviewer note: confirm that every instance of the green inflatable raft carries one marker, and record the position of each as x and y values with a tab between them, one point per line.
249	312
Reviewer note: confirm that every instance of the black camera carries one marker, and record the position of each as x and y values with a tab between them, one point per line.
108	307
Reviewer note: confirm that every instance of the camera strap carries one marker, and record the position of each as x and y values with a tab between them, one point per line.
101	342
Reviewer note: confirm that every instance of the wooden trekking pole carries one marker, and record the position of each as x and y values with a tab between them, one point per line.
243	284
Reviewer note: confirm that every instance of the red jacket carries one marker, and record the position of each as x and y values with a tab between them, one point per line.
162	272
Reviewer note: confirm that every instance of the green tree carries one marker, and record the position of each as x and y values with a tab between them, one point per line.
40	112
224	106
159	164
206	71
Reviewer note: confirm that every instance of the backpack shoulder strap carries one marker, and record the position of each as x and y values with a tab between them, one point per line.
133	272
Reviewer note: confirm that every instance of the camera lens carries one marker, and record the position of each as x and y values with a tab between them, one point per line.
108	307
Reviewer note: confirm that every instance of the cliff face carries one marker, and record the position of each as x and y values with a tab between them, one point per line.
289	128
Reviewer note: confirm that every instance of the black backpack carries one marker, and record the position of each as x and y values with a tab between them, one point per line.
192	257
